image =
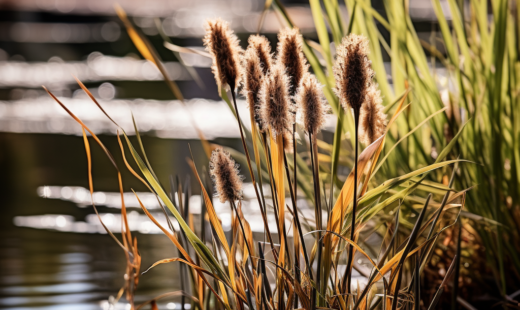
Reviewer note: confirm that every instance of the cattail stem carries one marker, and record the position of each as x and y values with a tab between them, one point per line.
244	141
266	226
294	166
261	185
291	191
317	204
257	135
315	176
299	229
297	221
348	275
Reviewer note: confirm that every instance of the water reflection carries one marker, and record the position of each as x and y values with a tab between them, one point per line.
69	277
165	119
184	18
98	67
56	270
61	222
81	196
137	220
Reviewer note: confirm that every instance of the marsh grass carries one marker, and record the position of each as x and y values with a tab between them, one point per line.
467	72
395	193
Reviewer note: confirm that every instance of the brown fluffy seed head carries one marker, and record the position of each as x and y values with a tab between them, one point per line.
263	49
224	172
353	71
222	44
255	61
276	109
290	56
312	107
373	119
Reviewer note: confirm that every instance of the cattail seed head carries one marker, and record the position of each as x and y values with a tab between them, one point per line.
256	63
353	71
311	105
224	172
276	109
373	119
222	44
290	56
263	50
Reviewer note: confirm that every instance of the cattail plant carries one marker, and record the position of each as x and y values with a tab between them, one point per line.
353	74
277	113
276	109
228	182
223	46
290	56
312	108
277	116
257	62
224	49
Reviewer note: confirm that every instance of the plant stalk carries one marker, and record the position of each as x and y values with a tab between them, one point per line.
348	277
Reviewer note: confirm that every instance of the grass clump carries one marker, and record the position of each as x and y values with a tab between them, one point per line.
395	192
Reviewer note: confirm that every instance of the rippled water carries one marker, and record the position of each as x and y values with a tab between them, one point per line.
55	270
51	268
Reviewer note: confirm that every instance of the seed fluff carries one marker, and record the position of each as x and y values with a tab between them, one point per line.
373	119
353	72
312	107
222	44
224	172
256	61
290	56
276	110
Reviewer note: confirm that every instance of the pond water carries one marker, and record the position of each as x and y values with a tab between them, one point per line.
51	268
